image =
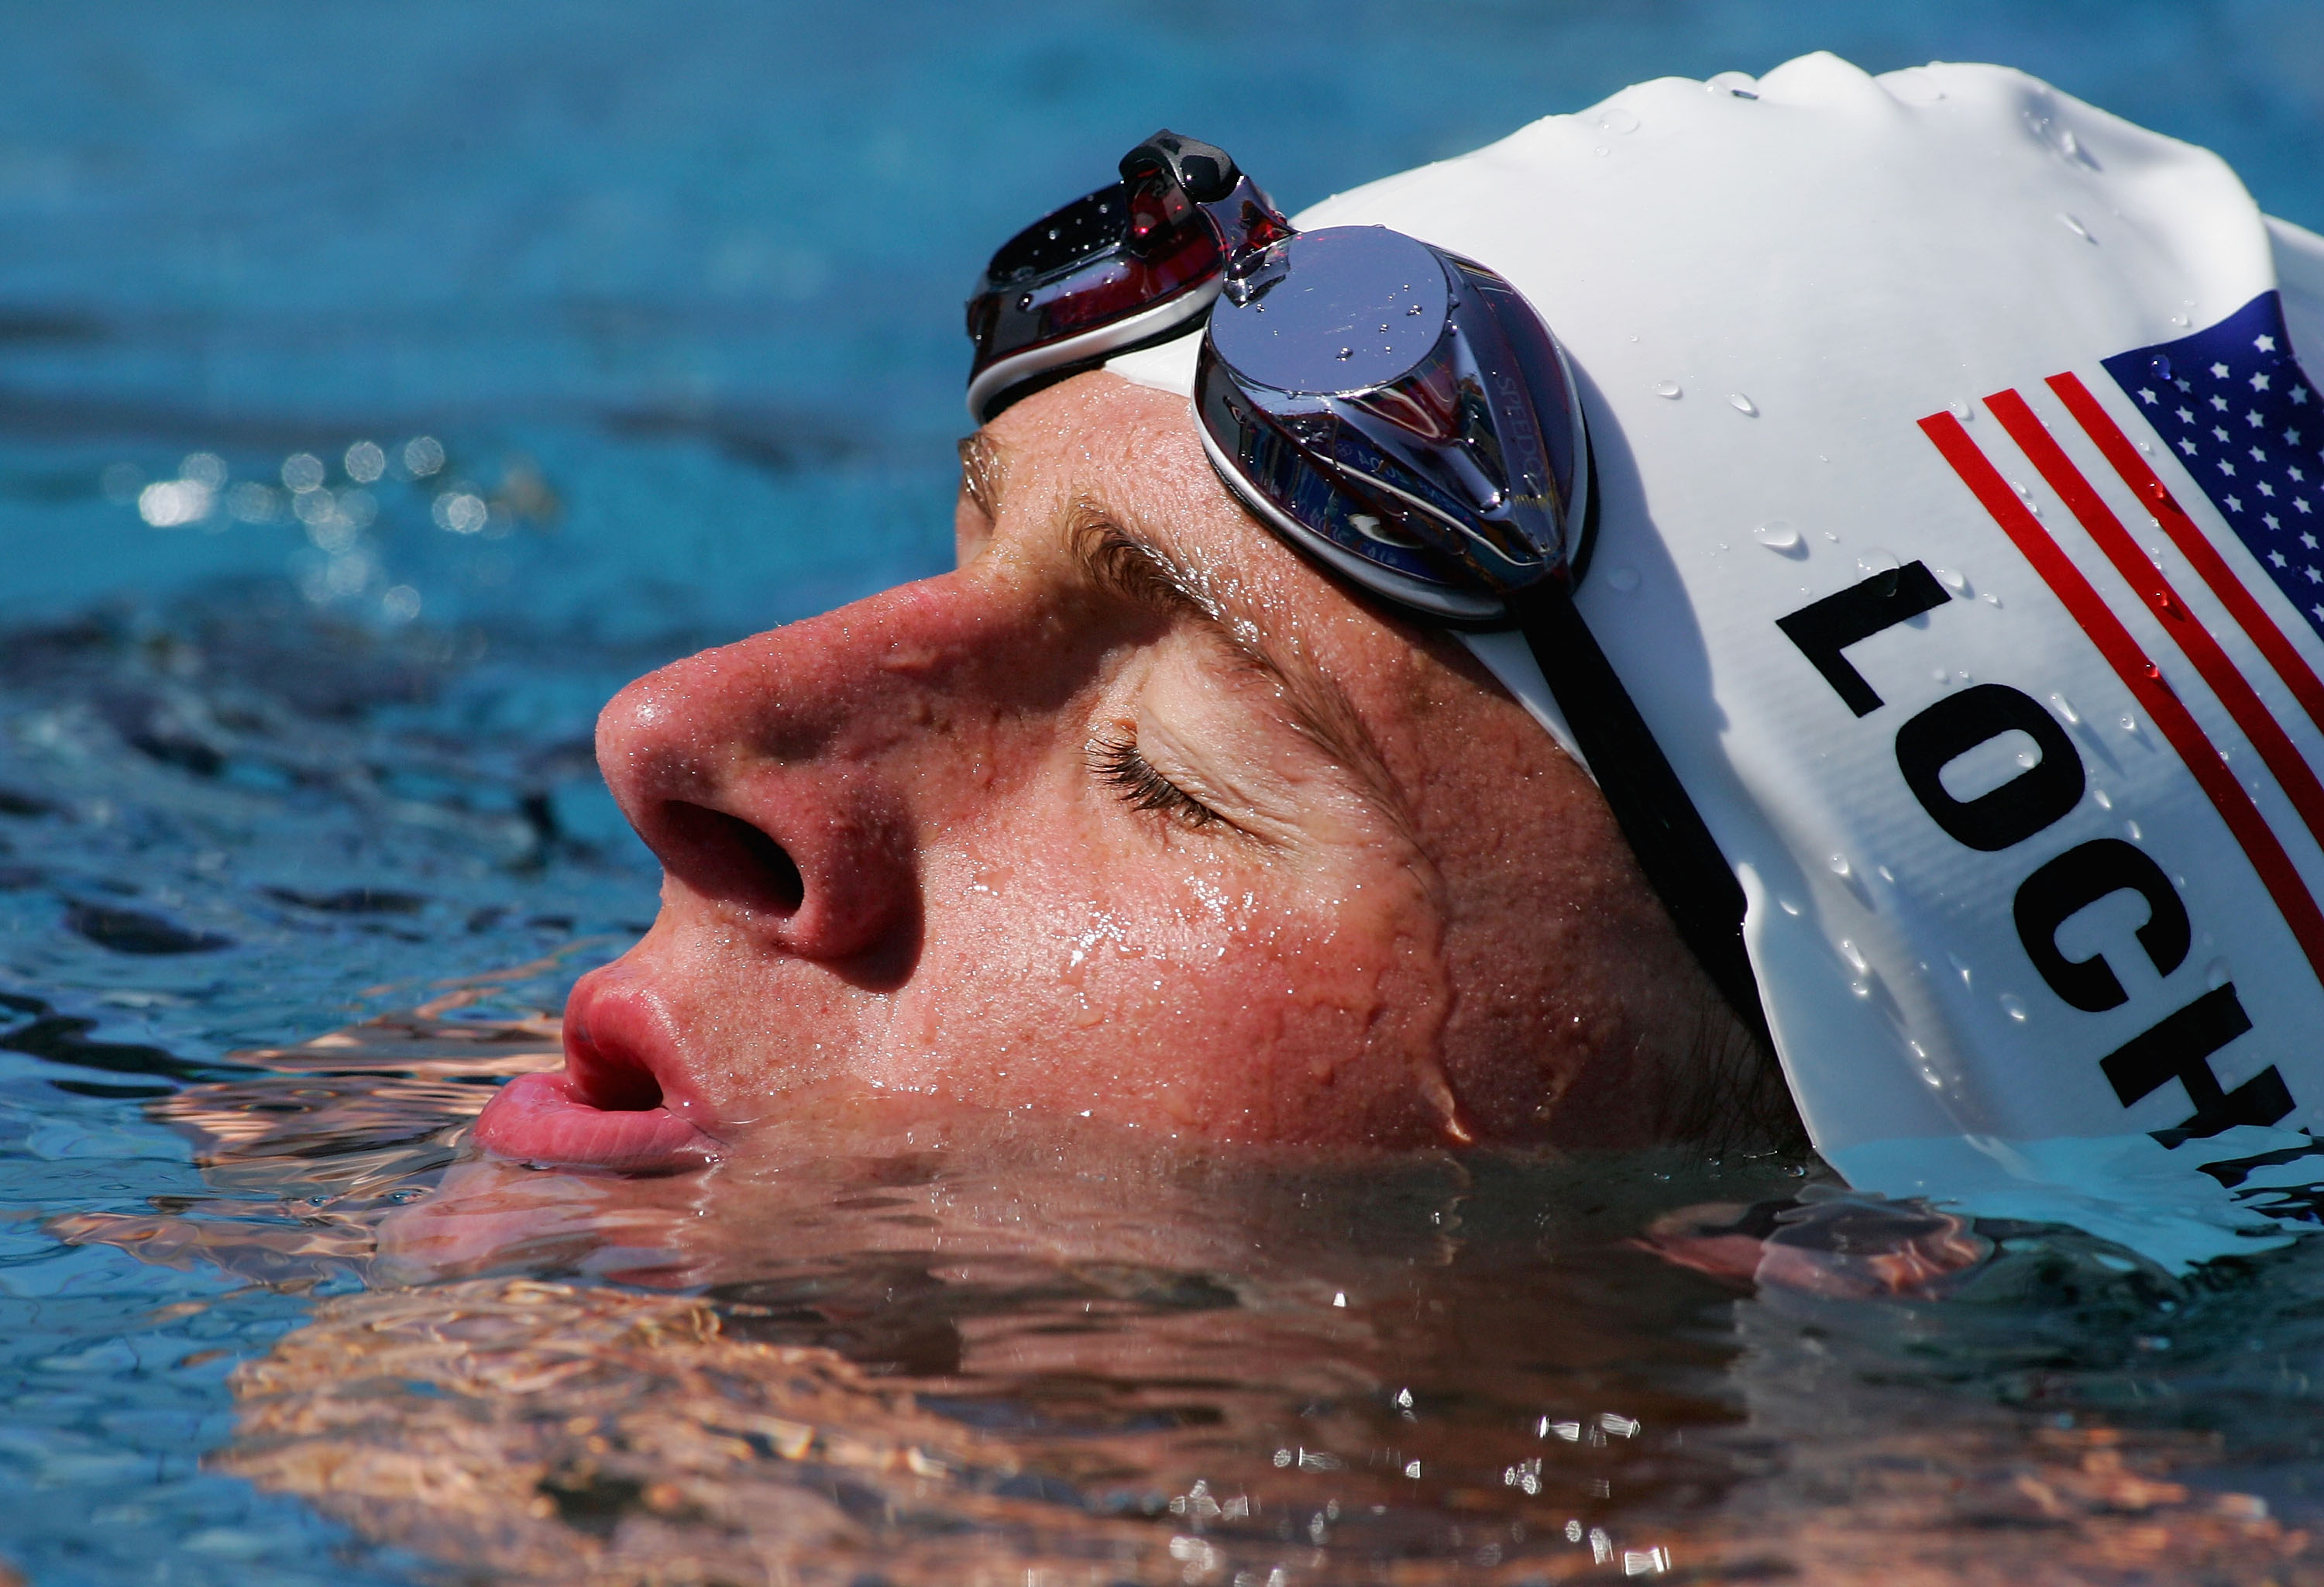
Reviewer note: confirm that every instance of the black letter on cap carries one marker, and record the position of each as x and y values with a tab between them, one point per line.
2018	808
2073	882
1829	626
2180	1048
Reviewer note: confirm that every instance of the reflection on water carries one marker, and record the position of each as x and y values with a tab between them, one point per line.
901	1343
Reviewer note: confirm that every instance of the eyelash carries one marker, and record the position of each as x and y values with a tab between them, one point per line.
1114	758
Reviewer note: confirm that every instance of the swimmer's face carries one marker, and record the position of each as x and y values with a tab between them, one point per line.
1135	815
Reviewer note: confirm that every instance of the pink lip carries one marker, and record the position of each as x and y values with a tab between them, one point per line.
609	1107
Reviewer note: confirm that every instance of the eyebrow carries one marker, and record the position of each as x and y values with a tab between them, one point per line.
1137	567
981	473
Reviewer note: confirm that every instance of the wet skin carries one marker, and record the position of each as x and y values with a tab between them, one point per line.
1133	815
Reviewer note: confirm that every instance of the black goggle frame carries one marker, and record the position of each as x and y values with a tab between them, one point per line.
1445	477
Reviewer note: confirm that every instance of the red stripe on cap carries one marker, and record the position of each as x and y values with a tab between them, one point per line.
2142	678
2186	631
2194	545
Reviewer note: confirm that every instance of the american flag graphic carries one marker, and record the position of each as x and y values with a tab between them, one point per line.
2243	425
2248	427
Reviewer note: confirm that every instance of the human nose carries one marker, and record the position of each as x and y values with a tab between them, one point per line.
786	777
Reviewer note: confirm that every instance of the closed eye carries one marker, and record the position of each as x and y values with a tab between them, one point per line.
1114	758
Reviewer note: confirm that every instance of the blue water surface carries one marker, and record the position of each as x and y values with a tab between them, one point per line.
649	315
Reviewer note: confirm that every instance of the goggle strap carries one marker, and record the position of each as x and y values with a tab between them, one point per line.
1680	859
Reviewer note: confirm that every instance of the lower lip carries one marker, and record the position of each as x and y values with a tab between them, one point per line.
539	1119
608	1108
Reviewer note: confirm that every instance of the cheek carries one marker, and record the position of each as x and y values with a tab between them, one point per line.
1165	985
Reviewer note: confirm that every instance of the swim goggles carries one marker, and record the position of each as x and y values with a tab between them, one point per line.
1395	411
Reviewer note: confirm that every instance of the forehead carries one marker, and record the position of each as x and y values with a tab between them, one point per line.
1098	445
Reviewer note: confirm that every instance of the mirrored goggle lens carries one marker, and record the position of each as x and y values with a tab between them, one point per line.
1401	412
1107	272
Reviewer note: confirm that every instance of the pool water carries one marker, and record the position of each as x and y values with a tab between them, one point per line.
380	388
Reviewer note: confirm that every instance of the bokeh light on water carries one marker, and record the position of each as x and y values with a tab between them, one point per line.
383	386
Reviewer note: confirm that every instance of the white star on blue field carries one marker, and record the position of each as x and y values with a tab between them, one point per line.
2244	418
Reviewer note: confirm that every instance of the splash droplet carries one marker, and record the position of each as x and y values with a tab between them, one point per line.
1666	388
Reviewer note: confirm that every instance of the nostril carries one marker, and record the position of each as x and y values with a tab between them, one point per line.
733	859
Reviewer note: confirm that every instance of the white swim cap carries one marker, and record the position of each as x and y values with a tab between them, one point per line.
1959	539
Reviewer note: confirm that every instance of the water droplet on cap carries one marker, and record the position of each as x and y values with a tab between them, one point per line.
2013	1006
2101	799
1624	578
1960	411
2076	227
2159	367
1666	388
2216	973
1742	85
1346	354
1741	403
1619	121
1838	863
1776	535
2066	710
